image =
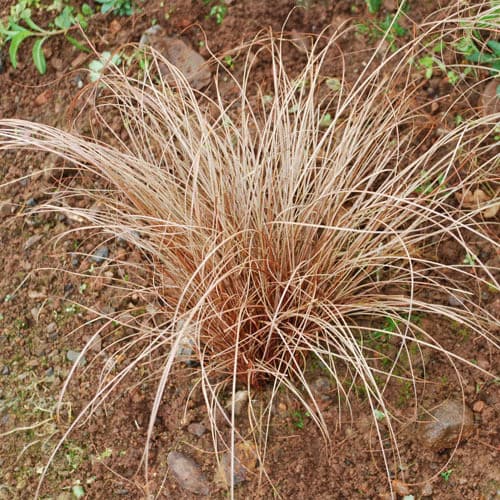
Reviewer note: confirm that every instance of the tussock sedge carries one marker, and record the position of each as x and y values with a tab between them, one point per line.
272	238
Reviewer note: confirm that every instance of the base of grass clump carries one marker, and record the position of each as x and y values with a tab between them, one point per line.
273	236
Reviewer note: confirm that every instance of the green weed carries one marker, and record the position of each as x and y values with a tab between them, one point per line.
446	474
299	418
217	11
389	29
20	26
117	7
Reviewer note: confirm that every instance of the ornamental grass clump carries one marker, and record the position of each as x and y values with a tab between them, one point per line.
273	236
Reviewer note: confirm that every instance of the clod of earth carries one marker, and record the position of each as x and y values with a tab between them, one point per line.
450	423
191	64
187	473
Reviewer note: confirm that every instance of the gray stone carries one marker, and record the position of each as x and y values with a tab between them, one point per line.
31	241
5	370
321	388
31	202
100	255
187	473
450	422
197	428
73	356
426	490
455	301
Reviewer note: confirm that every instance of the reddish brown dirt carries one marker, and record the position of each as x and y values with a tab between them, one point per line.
104	454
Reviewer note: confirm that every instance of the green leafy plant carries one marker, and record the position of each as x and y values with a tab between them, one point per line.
20	26
373	5
117	7
97	66
389	29
217	11
488	55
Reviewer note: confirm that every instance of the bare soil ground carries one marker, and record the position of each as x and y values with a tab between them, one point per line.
40	320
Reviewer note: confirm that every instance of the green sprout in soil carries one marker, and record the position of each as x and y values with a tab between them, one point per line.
229	62
446	474
217	11
299	418
430	185
389	29
117	7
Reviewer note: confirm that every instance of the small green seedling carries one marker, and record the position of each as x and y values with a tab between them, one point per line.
326	120
469	259
389	29
217	11
379	415
428	185
229	62
117	7
299	418
446	474
97	66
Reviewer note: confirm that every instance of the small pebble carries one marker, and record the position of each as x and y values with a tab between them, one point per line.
5	370
73	356
427	490
197	428
31	241
100	255
454	301
400	488
478	406
49	372
31	202
187	473
51	328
